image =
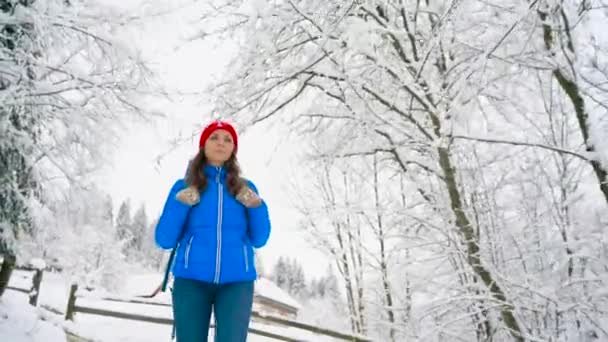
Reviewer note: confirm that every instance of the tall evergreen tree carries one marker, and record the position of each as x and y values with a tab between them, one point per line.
124	222
279	273
18	134
288	274
139	228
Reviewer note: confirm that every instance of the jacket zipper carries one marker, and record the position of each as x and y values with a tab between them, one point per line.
188	251
218	261
246	258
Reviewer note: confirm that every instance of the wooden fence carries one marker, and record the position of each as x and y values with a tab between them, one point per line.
34	289
73	308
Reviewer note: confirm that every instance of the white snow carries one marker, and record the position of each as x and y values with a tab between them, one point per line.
21	279
21	322
38	263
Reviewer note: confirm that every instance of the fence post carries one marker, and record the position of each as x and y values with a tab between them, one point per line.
35	287
69	311
6	269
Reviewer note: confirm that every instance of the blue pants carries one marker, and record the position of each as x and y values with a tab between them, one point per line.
192	304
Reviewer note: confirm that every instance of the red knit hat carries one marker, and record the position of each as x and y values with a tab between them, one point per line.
215	125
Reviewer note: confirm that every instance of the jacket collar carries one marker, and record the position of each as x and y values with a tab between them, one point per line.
212	172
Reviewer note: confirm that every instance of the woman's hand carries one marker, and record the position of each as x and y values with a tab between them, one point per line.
249	198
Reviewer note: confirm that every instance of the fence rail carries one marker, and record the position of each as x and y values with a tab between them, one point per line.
168	321
73	308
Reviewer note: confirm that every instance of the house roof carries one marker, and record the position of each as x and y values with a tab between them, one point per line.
268	289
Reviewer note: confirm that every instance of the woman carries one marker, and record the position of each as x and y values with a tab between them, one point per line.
215	218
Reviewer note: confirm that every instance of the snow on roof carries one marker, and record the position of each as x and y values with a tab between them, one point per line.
143	283
266	288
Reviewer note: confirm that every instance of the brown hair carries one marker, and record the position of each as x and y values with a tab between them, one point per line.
196	175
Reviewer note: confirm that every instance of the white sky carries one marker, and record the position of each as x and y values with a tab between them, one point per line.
265	157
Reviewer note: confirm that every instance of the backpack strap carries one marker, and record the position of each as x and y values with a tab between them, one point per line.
168	268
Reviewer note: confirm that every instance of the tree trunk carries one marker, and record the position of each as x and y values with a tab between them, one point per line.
355	252
341	255
356	259
407	315
342	261
6	270
472	247
570	87
388	296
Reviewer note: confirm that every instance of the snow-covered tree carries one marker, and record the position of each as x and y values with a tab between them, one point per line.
484	181
139	228
325	306
279	273
325	286
76	235
575	53
108	211
67	83
17	176
288	274
124	223
259	264
151	254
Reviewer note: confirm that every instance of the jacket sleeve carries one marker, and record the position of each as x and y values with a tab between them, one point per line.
258	222
172	219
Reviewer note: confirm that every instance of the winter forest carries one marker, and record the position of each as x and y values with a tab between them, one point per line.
452	154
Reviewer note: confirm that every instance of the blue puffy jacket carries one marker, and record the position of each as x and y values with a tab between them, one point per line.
219	233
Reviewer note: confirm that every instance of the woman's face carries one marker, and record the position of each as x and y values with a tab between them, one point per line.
219	147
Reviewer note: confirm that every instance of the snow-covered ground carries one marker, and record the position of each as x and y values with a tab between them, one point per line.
20	322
